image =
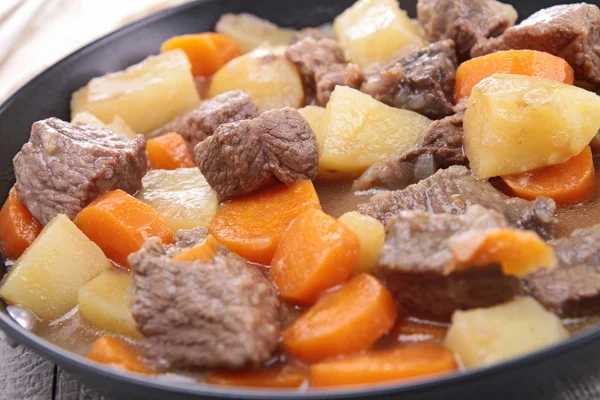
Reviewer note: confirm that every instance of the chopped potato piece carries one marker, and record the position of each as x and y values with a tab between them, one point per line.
486	336
373	30
517	123
48	275
313	115
270	79
372	235
359	131
118	125
104	301
181	196
250	31
146	95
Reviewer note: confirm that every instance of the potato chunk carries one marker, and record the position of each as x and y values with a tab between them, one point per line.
373	30
48	275
146	95
313	115
490	335
270	79
250	31
372	236
359	131
104	301
517	123
181	196
117	125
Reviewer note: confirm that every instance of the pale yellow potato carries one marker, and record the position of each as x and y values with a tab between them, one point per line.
487	336
181	196
48	275
371	233
517	123
105	302
373	30
359	131
146	95
250	31
118	125
313	115
268	77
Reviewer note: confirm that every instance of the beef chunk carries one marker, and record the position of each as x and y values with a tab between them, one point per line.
464	21
421	272
313	33
573	288
570	31
201	122
243	156
219	314
454	189
421	80
64	167
441	146
321	63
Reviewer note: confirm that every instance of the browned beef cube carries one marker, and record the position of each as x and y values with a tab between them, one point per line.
418	265
570	31
313	33
464	21
421	80
321	63
64	167
217	314
573	288
453	190
201	122
243	156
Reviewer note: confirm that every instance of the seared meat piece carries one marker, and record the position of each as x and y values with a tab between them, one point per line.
218	314
418	265
464	21
313	33
64	167
569	31
243	156
454	189
201	122
573	288
321	63
421	80
441	146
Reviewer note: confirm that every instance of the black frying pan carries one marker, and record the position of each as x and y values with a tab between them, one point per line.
534	376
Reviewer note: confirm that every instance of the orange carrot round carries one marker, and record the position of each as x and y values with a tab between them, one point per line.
203	252
252	226
112	351
571	182
18	228
412	361
519	62
276	376
315	253
169	152
206	51
343	322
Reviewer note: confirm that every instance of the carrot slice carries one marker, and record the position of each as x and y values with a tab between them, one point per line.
206	51
519	252
202	252
408	362
112	351
252	226
571	182
315	253
343	322
277	376
169	152
18	228
120	224
520	62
